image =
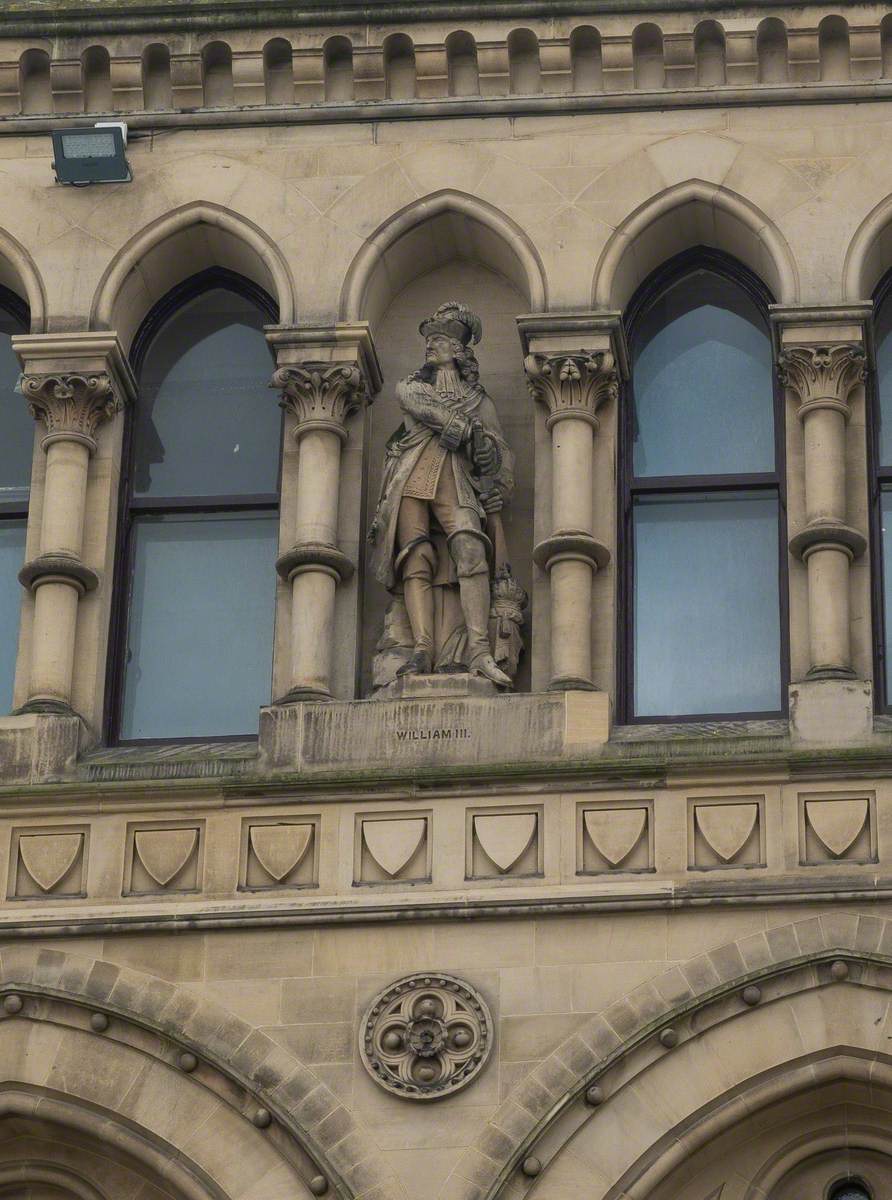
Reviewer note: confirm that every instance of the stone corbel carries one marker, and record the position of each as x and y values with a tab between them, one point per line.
573	364
821	360
73	384
325	377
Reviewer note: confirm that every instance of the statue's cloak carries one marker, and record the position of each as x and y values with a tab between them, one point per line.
427	415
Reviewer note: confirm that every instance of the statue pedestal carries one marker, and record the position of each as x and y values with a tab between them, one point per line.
436	687
435	723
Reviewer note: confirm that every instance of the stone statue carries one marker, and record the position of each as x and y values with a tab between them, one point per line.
437	534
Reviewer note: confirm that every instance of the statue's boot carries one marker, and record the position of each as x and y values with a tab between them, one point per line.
475	602
419	598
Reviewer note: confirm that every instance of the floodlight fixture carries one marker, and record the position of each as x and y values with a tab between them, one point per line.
92	155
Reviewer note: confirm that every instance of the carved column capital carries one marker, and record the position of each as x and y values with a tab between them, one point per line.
572	385
822	376
71	405
321	395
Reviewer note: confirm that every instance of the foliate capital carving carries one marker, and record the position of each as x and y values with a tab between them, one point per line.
426	1036
321	395
822	376
572	385
72	406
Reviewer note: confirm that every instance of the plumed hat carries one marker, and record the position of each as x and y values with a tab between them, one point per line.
456	321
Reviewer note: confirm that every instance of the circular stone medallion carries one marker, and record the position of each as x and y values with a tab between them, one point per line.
426	1036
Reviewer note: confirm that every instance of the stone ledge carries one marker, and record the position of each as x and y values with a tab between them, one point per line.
39	748
456	730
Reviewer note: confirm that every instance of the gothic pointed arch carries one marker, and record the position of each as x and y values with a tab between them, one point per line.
653	1077
143	1063
688	214
189	239
427	233
869	255
19	275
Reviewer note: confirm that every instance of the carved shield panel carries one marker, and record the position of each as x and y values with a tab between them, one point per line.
164	852
727	827
615	832
280	849
393	844
49	857
505	837
838	823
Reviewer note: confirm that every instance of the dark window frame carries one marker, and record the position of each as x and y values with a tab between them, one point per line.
130	507
689	262
877	476
16	308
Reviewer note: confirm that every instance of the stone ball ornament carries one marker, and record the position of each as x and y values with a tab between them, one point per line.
426	1036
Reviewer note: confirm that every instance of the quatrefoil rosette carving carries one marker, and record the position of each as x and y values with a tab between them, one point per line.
426	1036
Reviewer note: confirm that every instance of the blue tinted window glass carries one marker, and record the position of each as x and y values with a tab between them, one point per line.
16	423
207	423
703	383
199	658
707	605
884	382
886	534
12	555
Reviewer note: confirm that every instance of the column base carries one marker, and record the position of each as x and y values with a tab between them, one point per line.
830	673
55	708
298	695
831	711
571	683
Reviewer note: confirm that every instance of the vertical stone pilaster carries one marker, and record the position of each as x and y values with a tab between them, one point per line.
821	362
822	376
326	377
571	368
73	384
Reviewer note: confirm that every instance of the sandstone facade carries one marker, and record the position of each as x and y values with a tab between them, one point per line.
653	958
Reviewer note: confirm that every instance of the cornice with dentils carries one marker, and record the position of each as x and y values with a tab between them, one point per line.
73	18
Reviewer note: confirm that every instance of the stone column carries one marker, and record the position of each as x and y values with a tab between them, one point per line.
88	383
325	377
822	376
572	384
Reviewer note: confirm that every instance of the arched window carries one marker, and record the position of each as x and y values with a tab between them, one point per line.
850	1189
216	74
96	75
338	54
585	59
704	581
16	450
194	632
833	48
886	44
881	453
156	82
461	64
523	63
771	51
399	67
35	82
648	65
278	72
709	53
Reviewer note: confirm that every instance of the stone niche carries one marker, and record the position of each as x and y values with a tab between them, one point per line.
401	351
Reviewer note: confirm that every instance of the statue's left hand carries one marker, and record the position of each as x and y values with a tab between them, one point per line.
486	457
492	502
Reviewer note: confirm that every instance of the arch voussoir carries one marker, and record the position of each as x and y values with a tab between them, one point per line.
195	1035
723	983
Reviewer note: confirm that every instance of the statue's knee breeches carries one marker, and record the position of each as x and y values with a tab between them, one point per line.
468	550
418	560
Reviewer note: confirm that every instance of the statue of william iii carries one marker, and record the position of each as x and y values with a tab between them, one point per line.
447	474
